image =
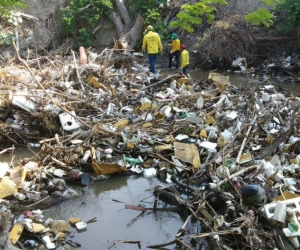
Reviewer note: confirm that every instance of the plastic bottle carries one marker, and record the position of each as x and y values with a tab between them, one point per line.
134	161
86	156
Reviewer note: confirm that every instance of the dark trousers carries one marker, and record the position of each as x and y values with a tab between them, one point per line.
175	54
184	70
152	61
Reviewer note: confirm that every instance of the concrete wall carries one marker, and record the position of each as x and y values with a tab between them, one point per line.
245	6
42	9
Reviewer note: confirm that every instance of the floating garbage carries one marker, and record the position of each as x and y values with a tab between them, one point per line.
221	151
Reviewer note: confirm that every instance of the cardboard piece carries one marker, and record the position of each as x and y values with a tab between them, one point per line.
96	84
7	187
221	80
188	153
286	195
105	168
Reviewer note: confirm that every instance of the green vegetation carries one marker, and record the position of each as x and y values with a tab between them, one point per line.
6	38
195	14
262	16
7	5
151	11
225	187
289	15
9	19
80	19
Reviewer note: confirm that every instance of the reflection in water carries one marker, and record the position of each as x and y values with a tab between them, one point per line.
113	183
114	222
18	154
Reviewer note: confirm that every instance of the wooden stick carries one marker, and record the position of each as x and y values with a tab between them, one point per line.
38	202
5	150
162	245
144	209
77	73
244	141
161	81
184	245
238	173
58	162
210	234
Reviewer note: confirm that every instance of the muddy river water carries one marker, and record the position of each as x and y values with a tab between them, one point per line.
106	201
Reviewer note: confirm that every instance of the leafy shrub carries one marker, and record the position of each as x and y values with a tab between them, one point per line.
80	18
260	16
6	38
289	15
194	14
7	5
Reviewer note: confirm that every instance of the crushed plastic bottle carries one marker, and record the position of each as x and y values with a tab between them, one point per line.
134	161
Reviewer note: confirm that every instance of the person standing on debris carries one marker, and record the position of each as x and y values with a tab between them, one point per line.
175	51
185	59
152	43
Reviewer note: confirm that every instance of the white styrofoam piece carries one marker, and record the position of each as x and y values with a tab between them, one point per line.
293	204
50	245
68	122
288	233
81	225
279	213
295	242
20	100
149	172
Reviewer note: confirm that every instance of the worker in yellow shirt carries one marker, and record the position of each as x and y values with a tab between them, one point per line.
175	51
185	59
152	43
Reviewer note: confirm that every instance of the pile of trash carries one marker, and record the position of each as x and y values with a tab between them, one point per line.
234	150
30	229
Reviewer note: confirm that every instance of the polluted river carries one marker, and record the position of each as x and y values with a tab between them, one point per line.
120	211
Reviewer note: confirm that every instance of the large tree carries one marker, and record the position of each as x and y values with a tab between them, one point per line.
129	30
82	18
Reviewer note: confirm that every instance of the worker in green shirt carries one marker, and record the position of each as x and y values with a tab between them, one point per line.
175	51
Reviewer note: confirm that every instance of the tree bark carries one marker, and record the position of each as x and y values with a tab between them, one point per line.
118	23
128	32
130	38
123	12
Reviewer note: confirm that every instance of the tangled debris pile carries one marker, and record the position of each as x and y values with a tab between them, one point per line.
228	156
230	38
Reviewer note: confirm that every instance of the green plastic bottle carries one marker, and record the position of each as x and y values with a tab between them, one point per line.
133	161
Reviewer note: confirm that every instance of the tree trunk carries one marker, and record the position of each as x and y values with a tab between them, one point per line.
127	34
129	39
123	12
118	23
